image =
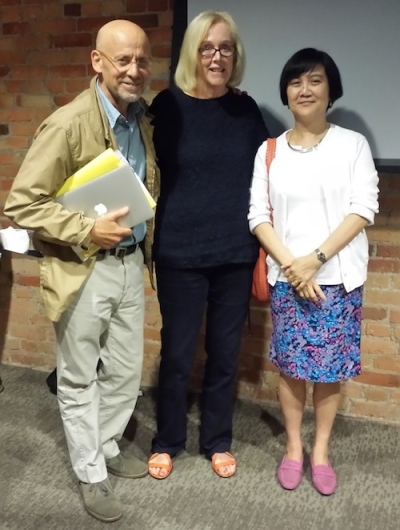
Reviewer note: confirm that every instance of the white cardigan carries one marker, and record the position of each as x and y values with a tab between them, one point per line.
341	178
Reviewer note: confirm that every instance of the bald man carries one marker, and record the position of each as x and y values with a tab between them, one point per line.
96	305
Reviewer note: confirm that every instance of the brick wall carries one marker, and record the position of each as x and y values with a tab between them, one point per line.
44	57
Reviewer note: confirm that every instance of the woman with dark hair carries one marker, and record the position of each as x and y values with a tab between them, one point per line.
309	213
206	137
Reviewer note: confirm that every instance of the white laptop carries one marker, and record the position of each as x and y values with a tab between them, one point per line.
109	192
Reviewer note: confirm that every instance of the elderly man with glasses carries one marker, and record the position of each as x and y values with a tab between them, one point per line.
96	305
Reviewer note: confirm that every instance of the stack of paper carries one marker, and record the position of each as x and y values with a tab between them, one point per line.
15	239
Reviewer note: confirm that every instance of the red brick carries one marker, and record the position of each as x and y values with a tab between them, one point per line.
91	9
380	231
136	6
6	100
152	334
387	364
159	35
161	50
166	19
27	280
92	24
41	113
5	184
29	346
81	56
157	5
60	101
10	2
56	26
374	378
254	346
11	56
72	40
72	10
7	43
28	71
55	86
34	87
351	389
381	265
378	330
111	8
394	316
376	410
16	28
378	280
76	85
14	86
378	346
395	396
67	71
6	158
31	101
377	394
33	42
15	114
397	336
24	129
389	251
389	201
36	11
4	71
13	142
9	171
382	297
144	21
158	84
374	313
54	56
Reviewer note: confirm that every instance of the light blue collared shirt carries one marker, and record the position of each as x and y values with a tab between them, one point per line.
127	134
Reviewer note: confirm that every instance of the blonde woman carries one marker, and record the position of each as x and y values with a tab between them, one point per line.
206	137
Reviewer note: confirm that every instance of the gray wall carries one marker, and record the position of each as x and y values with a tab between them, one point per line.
362	36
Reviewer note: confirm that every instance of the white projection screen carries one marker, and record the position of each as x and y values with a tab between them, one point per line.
362	36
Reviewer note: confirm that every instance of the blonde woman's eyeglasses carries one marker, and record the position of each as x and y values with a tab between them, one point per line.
225	50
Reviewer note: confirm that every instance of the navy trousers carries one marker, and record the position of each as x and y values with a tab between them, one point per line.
184	296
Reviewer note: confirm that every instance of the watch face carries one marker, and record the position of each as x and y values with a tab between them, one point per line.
321	256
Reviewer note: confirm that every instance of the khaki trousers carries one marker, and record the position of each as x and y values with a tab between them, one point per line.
105	322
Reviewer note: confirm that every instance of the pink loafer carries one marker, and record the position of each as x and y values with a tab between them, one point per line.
324	478
290	473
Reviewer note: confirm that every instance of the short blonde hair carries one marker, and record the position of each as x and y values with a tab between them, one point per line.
196	32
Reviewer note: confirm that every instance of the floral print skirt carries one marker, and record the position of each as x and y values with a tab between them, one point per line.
318	342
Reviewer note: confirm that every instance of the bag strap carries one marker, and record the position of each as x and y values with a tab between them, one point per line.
271	150
269	156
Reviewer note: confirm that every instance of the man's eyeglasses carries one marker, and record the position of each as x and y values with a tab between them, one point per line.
123	64
226	50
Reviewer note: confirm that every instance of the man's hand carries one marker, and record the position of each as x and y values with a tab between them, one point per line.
106	231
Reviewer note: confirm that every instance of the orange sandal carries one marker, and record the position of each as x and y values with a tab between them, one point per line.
228	462
168	466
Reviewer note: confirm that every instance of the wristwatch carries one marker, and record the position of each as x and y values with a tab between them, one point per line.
320	255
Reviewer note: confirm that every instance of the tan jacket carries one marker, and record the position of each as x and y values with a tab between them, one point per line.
66	141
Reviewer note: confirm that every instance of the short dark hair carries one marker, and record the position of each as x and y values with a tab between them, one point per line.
306	60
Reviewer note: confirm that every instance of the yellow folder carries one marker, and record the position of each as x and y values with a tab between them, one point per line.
102	164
